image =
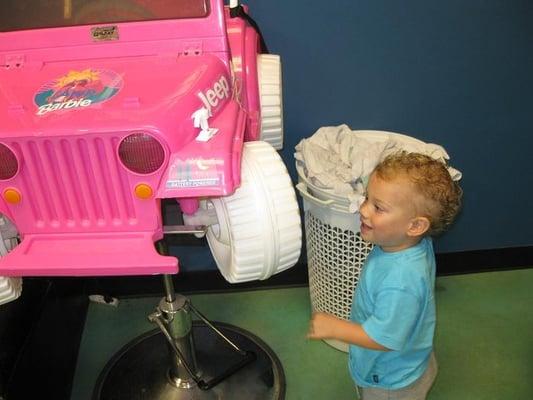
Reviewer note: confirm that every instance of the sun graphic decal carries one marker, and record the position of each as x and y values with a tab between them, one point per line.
77	89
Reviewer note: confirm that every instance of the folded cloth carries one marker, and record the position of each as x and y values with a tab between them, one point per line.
10	287
340	160
7	229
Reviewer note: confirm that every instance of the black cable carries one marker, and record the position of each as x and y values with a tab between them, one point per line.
239	12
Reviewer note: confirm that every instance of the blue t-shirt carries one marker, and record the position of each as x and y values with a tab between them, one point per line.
395	304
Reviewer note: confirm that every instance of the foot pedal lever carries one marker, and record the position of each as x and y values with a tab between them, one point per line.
162	318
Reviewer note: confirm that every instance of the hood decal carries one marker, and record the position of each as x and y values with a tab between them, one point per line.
215	95
77	89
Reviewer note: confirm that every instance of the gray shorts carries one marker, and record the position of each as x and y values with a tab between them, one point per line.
417	390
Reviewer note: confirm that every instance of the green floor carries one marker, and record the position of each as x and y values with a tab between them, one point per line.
484	340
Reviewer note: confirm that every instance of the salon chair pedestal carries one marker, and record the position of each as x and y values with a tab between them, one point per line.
186	359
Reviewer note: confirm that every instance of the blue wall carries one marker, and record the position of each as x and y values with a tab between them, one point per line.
456	73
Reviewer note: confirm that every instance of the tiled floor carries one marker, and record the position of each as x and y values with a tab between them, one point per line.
484	340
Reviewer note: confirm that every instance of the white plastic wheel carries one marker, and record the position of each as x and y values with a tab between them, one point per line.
258	231
10	288
270	99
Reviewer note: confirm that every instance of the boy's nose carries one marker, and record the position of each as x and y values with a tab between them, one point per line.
363	208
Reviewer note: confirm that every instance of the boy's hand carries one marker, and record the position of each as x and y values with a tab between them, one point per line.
322	326
327	326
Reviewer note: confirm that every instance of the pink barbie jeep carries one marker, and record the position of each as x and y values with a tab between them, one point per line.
106	108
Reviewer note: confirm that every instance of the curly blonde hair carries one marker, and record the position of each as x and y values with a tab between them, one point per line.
432	180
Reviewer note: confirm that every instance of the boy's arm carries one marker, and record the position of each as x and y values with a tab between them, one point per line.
326	326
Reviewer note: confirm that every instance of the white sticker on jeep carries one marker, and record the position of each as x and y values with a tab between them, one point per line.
77	89
213	96
194	172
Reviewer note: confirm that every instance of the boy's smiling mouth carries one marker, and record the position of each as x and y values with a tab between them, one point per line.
364	227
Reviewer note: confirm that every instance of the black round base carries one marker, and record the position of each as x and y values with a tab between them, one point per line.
140	369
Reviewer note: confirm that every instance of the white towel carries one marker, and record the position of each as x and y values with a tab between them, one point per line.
339	159
10	287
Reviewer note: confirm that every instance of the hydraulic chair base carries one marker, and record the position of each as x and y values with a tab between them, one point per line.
186	359
140	370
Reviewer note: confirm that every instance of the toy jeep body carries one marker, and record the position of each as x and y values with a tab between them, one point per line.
109	107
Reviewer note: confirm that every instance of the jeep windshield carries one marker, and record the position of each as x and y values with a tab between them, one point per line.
32	14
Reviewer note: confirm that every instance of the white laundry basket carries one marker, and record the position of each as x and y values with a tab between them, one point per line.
335	250
335	254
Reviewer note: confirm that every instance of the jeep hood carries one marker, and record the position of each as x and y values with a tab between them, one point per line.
76	97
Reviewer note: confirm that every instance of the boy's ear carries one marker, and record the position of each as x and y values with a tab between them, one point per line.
418	226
